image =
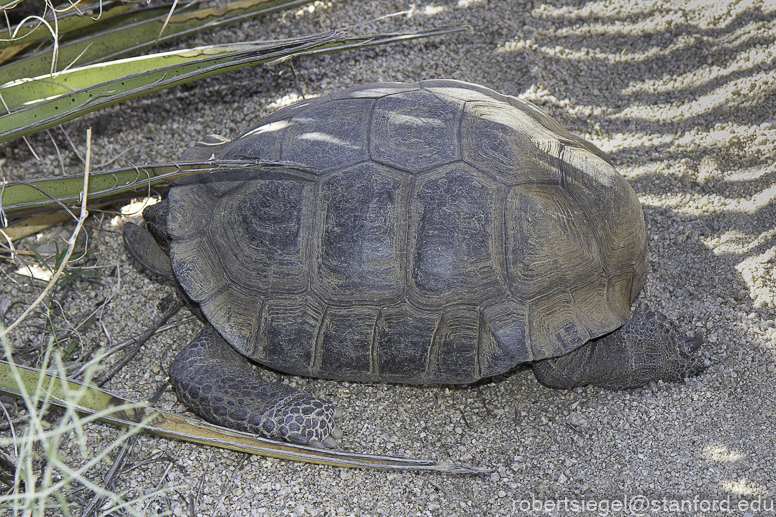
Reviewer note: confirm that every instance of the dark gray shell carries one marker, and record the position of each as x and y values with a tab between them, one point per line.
445	234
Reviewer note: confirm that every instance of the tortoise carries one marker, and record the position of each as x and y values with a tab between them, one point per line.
443	233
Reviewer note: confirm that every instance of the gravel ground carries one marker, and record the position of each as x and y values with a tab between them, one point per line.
681	94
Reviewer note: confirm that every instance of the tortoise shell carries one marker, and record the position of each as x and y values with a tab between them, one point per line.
444	233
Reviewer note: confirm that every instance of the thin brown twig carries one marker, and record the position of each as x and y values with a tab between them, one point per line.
166	20
617	63
118	465
8	425
296	79
59	155
225	488
158	486
70	243
8	466
11	422
140	342
79	369
200	486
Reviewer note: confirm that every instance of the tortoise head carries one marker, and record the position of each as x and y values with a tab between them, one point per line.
658	336
647	348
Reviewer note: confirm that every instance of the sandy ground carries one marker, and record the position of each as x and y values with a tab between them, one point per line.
682	96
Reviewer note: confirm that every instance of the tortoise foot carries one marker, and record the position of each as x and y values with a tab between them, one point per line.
300	418
218	384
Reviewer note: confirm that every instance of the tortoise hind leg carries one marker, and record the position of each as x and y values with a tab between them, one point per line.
646	348
217	383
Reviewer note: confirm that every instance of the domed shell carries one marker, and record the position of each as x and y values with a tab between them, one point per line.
444	233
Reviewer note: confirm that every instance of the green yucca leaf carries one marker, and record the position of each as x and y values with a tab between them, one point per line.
35	196
23	92
77	17
36	32
117	411
127	32
50	113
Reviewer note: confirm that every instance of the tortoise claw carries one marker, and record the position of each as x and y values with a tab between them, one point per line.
688	345
330	442
327	443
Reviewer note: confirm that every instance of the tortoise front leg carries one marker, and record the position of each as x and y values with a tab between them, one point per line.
217	383
646	348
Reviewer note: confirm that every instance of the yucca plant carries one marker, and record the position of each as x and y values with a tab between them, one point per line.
58	63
